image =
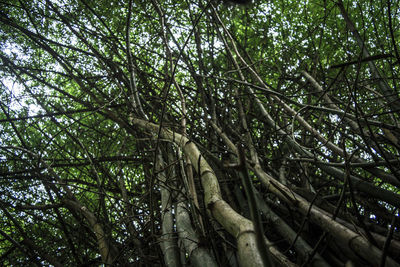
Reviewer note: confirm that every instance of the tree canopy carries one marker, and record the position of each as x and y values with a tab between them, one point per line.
199	133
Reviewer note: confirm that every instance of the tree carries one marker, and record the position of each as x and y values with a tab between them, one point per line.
199	133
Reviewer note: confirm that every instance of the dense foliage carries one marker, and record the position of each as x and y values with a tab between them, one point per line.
177	132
